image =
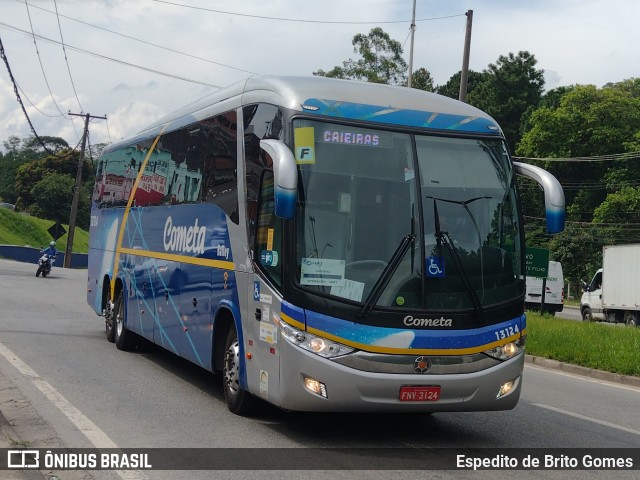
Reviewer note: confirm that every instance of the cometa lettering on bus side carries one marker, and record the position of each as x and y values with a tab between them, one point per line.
184	239
410	321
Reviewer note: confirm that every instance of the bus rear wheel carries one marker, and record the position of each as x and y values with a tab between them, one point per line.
239	401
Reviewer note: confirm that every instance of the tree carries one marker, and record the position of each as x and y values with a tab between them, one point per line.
586	121
18	152
51	196
511	86
29	174
452	87
381	60
619	216
421	79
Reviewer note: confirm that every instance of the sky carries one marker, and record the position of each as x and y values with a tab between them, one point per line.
134	61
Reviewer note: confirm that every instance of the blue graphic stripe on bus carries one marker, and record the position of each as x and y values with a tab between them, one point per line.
189	230
292	311
412	118
555	220
389	339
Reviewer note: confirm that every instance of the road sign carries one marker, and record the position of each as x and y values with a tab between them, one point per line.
537	262
56	230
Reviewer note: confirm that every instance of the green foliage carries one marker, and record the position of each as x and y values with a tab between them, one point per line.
23	230
587	121
618	215
421	79
31	173
451	89
591	345
381	60
511	87
52	196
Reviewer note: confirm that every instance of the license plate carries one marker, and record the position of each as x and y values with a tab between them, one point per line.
430	393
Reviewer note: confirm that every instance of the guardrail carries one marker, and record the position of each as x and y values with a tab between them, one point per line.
31	255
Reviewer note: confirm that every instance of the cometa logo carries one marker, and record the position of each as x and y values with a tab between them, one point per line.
410	321
184	239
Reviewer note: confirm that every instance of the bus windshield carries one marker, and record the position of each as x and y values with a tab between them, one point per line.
365	193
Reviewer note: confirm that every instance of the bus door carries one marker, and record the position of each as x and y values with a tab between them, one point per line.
264	377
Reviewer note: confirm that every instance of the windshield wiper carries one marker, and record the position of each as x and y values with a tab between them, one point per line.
444	238
385	276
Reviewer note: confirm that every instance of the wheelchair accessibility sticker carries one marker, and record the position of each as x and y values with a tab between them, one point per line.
434	267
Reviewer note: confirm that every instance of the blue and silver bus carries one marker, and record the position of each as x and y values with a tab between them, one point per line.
325	245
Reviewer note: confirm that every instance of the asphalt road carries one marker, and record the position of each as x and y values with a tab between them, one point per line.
83	392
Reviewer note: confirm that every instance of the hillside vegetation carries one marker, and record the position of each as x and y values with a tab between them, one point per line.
23	230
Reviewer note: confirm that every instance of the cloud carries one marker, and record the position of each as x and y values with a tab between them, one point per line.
124	87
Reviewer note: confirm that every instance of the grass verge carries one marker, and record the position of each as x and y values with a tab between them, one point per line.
594	345
22	230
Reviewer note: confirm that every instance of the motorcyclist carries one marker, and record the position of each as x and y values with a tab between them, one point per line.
51	251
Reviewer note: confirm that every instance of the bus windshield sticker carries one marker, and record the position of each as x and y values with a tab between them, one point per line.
322	271
269	258
270	239
351	290
303	138
434	267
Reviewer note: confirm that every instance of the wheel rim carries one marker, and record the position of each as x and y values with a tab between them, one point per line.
231	362
119	322
632	320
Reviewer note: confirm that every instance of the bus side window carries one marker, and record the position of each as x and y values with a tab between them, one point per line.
267	249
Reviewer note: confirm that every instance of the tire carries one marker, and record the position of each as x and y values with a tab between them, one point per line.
586	315
45	272
109	329
239	401
39	271
631	319
123	338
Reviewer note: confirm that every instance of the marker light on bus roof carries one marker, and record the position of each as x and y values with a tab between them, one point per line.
312	343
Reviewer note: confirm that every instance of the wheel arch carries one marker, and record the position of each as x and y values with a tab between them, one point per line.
224	319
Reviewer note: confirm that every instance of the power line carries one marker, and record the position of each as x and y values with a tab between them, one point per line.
34	106
24	110
111	59
65	56
595	158
142	41
298	20
46	81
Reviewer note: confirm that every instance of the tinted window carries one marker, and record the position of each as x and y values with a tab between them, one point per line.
196	163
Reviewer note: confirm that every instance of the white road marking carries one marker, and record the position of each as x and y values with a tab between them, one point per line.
586	379
94	434
589	419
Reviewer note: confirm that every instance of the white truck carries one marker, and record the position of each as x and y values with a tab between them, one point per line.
614	292
554	291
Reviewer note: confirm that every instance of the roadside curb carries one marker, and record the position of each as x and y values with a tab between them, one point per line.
10	439
583	371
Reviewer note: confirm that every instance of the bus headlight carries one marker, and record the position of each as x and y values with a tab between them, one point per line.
506	351
312	343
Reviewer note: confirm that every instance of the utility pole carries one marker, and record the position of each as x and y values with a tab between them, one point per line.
413	29
464	74
76	188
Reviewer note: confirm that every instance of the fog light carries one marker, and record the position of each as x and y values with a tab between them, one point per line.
507	388
315	386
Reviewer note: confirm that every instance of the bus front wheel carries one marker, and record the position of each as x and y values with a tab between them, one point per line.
238	400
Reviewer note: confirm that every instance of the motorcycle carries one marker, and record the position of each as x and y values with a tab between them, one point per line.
44	264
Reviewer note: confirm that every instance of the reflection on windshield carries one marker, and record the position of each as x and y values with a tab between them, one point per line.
360	197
